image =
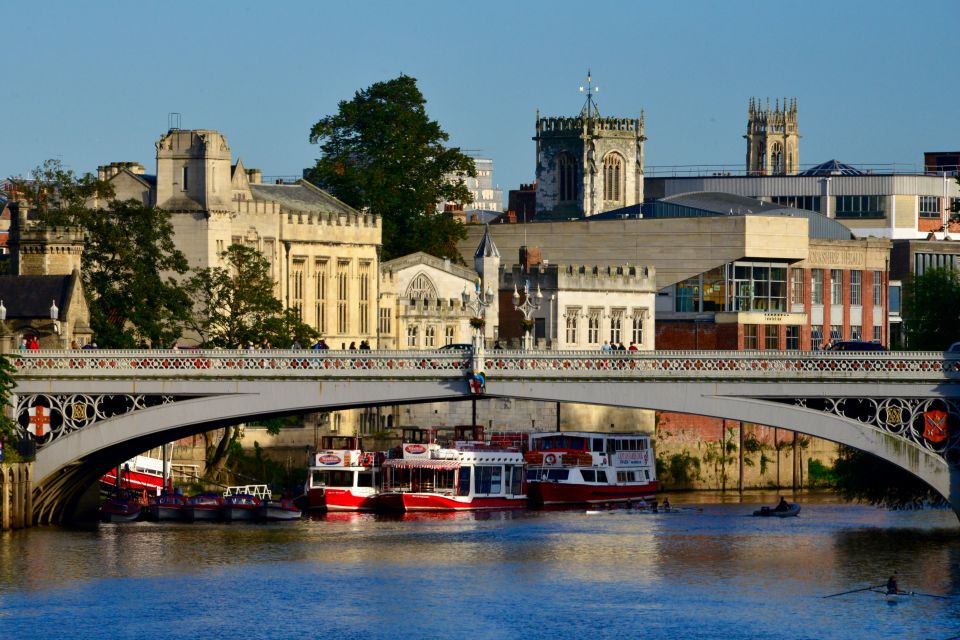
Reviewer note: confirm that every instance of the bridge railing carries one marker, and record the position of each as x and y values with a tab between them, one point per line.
308	364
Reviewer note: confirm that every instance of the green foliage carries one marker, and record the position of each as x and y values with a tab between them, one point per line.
382	152
8	428
751	444
764	463
128	260
274	425
234	305
680	469
865	478
931	310
819	475
256	467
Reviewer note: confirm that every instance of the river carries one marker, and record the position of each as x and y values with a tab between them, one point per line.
710	571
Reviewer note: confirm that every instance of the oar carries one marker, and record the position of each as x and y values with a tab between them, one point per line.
843	593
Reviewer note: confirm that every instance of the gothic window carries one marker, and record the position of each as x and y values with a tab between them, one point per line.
613	177
776	158
320	270
343	296
566	177
421	288
364	297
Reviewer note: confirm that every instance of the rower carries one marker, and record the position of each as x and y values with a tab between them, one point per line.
666	504
892	586
783	505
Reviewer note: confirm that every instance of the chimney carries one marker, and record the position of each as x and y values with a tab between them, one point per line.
529	258
254	176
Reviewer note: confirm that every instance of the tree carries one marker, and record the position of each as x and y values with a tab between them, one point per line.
234	306
382	152
8	428
866	478
931	309
129	261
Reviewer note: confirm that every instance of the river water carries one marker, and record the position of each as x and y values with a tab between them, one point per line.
710	571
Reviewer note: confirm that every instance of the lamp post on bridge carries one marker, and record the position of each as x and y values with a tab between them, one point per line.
478	303
530	304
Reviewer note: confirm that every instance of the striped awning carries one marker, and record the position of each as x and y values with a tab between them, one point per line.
437	465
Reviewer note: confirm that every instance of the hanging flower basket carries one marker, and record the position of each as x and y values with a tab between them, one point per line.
477	323
526	325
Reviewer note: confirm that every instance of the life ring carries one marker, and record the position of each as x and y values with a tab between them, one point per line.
549	459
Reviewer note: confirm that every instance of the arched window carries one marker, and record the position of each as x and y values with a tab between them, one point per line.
776	159
566	177
421	288
613	177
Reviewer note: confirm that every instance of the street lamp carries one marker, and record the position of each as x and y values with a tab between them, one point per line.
478	303
55	316
527	307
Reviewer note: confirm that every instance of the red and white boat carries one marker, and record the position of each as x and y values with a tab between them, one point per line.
471	474
343	477
567	467
140	473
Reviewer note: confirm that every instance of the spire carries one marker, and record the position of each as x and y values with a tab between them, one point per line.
487	249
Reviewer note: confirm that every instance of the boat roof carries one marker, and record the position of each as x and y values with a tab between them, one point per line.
422	463
591	434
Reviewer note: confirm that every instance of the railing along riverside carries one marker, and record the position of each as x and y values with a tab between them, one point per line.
934	367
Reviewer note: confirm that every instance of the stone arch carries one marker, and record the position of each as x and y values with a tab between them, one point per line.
421	287
613	177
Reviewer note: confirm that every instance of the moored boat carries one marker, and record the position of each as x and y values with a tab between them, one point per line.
469	474
203	507
278	510
243	502
140	473
343	477
167	506
120	508
589	468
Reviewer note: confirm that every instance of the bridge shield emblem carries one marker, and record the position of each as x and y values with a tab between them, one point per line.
39	423
935	427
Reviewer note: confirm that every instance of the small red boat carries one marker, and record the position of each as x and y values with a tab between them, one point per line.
138	474
120	509
469	474
343	476
203	507
590	468
243	503
167	506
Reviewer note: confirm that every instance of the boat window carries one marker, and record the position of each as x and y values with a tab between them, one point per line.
598	445
331	478
558	474
646	472
601	475
496	476
589	475
643	445
463	483
518	480
483	477
365	479
533	474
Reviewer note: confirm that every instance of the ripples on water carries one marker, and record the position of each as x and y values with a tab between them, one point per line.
714	573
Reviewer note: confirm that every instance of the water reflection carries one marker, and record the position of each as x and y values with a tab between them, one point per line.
710	573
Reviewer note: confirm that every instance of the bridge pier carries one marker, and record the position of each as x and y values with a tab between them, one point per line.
16	496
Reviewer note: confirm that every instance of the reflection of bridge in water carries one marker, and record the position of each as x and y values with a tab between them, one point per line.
90	410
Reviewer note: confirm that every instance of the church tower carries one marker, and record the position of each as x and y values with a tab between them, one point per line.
773	140
588	164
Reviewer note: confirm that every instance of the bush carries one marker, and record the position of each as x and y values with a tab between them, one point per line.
819	475
680	469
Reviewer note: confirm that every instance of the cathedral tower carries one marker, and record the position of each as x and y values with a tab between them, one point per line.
588	164
773	141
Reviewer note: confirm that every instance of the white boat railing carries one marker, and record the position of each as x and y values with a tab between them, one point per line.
258	490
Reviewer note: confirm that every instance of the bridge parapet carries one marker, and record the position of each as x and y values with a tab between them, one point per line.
935	367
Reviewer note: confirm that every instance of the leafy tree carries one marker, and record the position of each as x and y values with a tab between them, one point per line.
234	305
866	478
931	309
381	151
129	261
8	428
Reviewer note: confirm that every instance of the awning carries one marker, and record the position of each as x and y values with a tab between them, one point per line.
437	465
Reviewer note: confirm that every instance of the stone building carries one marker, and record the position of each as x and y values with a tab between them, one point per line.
324	255
588	164
43	296
773	140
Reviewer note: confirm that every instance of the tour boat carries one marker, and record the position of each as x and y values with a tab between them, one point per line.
274	510
576	467
167	506
423	475
140	473
120	508
343	477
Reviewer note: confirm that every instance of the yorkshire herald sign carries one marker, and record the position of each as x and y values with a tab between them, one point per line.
328	459
415	451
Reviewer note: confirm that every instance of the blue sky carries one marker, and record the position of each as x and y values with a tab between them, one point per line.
92	83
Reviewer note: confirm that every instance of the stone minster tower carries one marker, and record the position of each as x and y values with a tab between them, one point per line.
588	164
773	141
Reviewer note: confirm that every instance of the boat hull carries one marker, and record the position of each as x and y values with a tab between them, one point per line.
396	501
119	511
166	513
553	493
340	500
239	514
279	514
201	514
767	512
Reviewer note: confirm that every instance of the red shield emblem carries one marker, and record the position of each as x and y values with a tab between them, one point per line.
935	426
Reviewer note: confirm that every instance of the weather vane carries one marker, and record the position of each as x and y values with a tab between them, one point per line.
589	107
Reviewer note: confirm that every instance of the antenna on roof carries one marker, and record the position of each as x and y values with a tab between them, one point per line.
173	120
590	107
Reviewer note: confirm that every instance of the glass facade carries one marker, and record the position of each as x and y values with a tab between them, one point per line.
836	286
856	279
860	207
759	287
749	336
796	287
793	338
929	207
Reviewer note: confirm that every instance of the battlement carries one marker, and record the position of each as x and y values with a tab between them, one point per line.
333	218
760	117
581	123
624	277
